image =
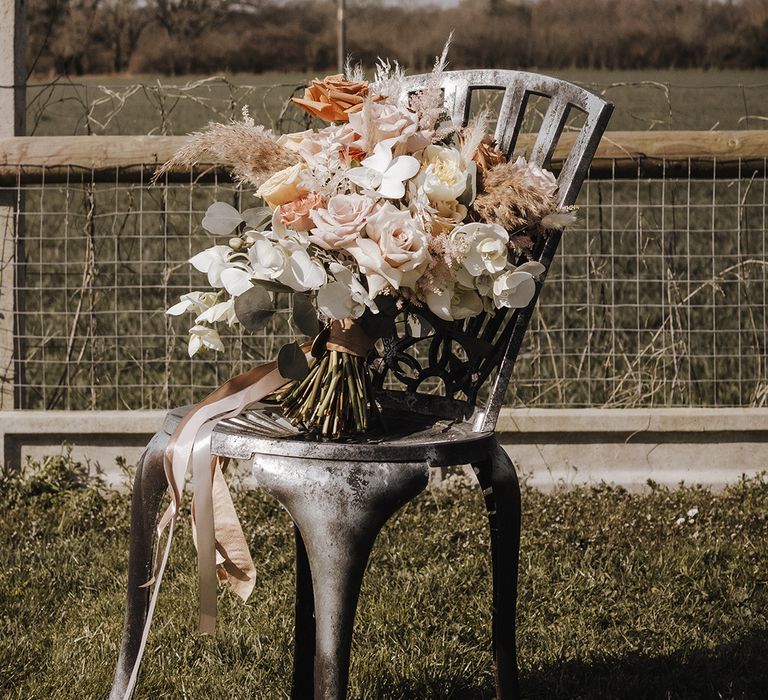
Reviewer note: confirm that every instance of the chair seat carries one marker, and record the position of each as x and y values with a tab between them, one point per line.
404	436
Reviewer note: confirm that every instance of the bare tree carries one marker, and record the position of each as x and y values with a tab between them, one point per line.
121	24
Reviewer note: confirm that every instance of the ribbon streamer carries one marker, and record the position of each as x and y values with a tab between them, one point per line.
221	546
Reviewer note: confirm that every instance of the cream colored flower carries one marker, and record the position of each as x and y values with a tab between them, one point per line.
283	187
293	141
513	289
443	176
485	247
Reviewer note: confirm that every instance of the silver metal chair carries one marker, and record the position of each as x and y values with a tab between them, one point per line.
340	494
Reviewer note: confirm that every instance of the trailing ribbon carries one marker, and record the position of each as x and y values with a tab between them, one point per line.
222	550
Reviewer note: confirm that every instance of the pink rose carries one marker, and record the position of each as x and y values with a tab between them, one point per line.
318	148
396	251
296	214
339	224
397	127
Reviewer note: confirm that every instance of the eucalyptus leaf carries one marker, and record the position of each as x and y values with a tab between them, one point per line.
292	362
305	316
254	308
221	219
274	286
256	217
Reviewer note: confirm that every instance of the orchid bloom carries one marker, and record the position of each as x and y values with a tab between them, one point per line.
384	174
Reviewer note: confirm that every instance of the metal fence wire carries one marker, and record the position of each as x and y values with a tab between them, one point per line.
658	297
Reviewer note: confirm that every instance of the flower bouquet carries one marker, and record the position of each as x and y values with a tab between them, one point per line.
390	206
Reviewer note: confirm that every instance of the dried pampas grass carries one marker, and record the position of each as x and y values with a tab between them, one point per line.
509	200
430	104
250	152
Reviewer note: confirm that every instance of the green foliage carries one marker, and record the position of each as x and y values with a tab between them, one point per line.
621	596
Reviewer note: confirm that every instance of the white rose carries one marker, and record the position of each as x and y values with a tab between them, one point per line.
395	252
443	176
513	289
483	247
283	187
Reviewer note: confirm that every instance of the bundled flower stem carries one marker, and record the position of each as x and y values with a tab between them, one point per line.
334	399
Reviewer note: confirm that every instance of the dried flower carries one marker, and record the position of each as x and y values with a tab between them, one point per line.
487	156
333	98
250	152
513	198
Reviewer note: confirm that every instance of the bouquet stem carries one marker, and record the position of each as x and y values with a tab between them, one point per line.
336	398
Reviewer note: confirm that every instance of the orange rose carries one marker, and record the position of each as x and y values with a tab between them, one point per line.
333	98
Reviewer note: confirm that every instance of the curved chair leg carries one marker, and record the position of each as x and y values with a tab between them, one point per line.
501	489
304	640
149	487
339	507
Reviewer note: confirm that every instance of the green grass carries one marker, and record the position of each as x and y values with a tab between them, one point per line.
616	600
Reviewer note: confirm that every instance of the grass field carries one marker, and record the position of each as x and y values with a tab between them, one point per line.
655	595
140	104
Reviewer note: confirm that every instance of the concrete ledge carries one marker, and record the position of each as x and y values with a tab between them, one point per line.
551	447
627	447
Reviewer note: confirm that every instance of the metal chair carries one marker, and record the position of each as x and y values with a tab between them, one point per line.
340	494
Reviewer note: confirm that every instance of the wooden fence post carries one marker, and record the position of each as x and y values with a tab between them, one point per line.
13	80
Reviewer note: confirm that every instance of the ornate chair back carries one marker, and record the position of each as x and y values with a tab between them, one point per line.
461	356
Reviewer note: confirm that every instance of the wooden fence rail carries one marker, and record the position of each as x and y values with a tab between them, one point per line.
622	154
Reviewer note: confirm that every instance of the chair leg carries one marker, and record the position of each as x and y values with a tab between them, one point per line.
501	488
304	641
339	507
149	487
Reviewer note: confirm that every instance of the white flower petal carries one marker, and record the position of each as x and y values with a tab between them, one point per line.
236	281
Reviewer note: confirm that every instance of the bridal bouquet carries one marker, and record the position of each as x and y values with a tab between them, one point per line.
390	206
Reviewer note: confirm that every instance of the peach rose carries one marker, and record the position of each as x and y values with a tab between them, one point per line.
284	186
296	214
333	98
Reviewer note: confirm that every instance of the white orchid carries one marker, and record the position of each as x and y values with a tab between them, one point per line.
196	302
204	337
223	311
513	289
344	298
383	174
213	261
454	303
483	247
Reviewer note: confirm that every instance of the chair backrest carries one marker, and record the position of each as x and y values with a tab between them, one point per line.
463	355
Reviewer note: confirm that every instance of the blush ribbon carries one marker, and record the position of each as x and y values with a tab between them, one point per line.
222	551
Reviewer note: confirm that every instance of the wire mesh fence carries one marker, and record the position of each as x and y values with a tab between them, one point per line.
658	297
